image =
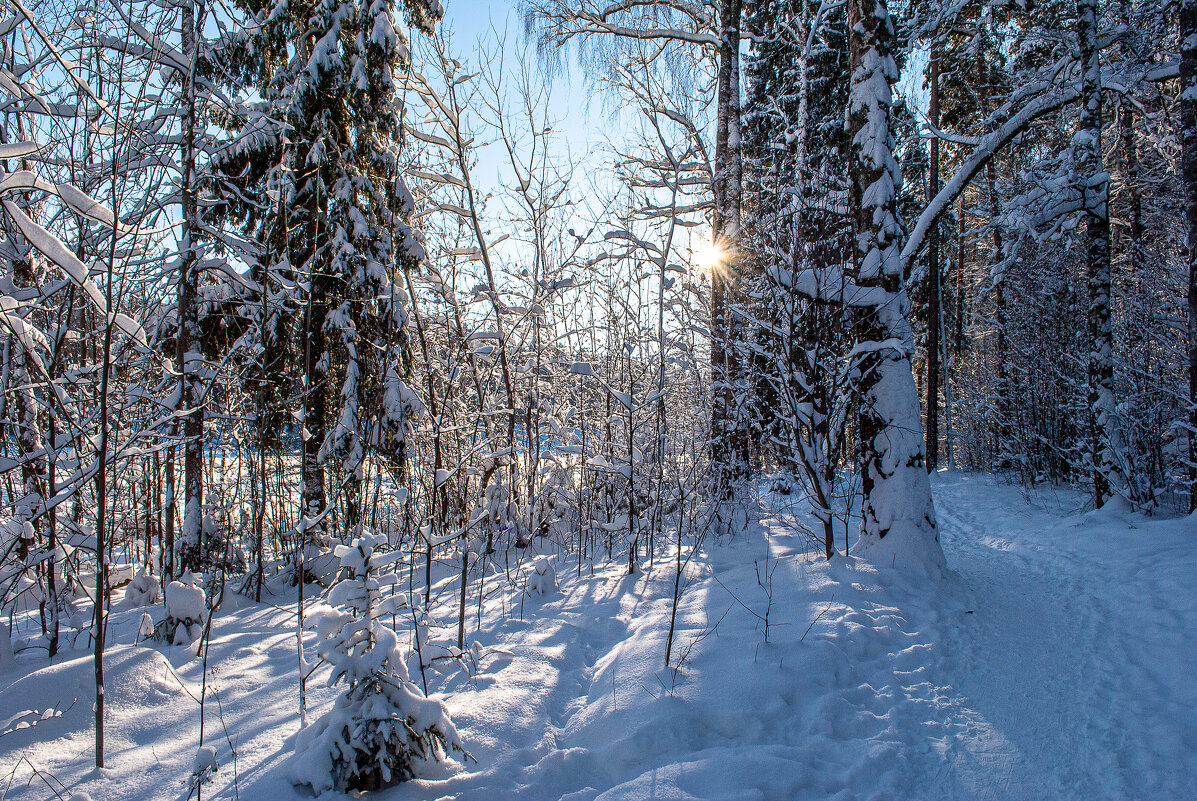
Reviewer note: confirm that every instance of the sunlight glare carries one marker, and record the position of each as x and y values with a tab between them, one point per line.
708	255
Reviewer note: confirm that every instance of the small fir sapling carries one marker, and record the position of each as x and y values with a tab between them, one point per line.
543	579
382	727
186	608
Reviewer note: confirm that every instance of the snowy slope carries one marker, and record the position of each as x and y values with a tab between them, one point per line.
1052	663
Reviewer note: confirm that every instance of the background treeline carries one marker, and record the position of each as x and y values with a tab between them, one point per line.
1048	281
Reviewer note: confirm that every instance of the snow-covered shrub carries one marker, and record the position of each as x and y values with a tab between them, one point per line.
554	509
382	727
204	767
781	485
320	566
186	607
145	629
217	549
543	579
143	590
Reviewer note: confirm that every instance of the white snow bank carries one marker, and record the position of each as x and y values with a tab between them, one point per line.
143	590
543	578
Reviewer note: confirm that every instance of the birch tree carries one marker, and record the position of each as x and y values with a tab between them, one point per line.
716	31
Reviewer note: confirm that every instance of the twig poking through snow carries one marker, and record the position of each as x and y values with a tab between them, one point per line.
816	620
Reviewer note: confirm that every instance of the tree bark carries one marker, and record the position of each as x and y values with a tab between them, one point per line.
171	492
729	445
1189	180
933	291
1103	433
187	341
314	411
898	517
1188	122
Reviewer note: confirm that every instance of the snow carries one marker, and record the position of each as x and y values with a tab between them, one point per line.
381	729
185	599
543	578
901	531
142	590
1051	660
16	150
145	629
58	253
205	759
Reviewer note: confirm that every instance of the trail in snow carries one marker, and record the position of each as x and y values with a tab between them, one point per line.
1076	672
1054	661
1048	664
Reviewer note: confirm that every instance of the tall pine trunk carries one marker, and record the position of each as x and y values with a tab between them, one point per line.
898	517
1188	134
933	291
1103	434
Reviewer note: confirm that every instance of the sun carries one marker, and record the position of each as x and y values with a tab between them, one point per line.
708	255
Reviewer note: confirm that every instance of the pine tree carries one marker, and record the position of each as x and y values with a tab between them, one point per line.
898	518
382	727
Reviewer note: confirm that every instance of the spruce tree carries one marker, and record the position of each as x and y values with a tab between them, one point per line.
325	141
898	518
382	727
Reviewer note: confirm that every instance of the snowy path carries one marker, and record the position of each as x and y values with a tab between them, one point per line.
1051	663
1075	678
1055	661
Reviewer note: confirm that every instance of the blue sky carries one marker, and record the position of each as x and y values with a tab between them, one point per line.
579	118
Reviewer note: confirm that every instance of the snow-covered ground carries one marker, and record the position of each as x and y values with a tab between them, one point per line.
1056	660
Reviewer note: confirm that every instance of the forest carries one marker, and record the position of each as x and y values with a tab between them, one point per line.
598	399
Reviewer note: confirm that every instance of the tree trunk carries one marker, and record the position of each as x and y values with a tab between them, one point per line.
997	277
315	365
1103	433
52	537
958	322
1188	134
190	362
30	443
259	522
729	445
168	551
898	517
933	293
997	281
